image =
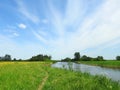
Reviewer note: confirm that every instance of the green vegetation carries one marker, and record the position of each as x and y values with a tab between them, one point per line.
6	58
107	63
70	80
40	57
39	75
117	57
78	57
21	75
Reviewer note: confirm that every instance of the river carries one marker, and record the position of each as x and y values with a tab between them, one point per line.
114	74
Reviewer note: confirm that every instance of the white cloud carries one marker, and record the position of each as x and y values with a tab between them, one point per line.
29	15
16	34
107	24
11	31
74	12
56	20
9	46
101	27
43	33
39	37
22	26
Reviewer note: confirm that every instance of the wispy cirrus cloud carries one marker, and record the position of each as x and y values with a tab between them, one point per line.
39	36
13	48
74	12
11	31
25	11
94	30
66	26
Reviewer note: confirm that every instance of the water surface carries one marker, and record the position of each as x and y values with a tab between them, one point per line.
114	74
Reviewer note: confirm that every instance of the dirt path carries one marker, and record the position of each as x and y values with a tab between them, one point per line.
43	83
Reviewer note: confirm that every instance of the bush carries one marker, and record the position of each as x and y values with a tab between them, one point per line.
117	57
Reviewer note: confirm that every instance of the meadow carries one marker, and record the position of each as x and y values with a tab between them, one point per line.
107	63
41	76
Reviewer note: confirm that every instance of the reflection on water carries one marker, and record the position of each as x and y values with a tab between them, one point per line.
114	74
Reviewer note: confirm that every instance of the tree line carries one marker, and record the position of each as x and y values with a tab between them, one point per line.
39	57
78	57
6	58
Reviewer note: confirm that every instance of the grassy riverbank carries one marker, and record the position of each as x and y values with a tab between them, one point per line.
39	75
107	63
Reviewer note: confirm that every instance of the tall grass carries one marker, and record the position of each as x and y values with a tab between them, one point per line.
30	75
71	80
21	76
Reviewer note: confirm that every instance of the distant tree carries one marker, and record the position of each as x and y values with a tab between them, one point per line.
117	57
7	57
50	57
20	60
14	59
77	56
85	58
99	58
46	57
0	58
66	59
40	57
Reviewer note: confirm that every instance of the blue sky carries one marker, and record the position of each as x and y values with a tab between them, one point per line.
60	28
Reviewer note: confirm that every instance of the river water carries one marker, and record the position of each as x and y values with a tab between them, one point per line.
114	74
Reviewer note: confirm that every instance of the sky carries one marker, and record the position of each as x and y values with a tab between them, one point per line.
60	28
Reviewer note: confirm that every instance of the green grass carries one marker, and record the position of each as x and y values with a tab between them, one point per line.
70	80
21	76
30	75
109	63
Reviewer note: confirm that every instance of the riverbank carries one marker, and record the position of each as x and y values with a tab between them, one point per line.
108	64
35	75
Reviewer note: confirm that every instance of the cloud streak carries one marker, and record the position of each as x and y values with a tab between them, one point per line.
97	29
39	37
24	10
78	26
13	48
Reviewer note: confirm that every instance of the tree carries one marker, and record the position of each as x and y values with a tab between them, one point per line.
20	60
0	58
117	57
50	57
77	56
85	58
46	57
40	57
7	57
99	58
67	59
14	59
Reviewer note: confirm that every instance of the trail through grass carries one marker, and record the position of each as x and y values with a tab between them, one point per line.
22	76
43	82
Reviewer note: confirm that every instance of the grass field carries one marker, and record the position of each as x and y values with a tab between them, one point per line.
40	76
110	63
